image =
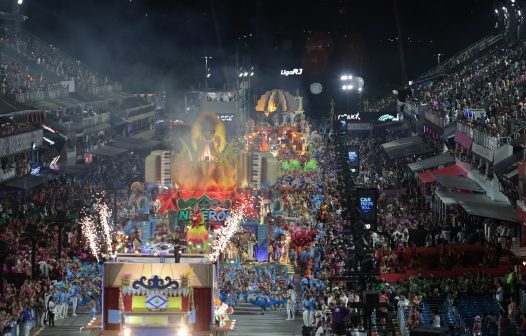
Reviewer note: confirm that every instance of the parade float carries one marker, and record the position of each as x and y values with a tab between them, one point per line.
205	205
141	298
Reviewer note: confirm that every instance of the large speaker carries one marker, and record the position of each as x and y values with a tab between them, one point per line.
371	299
430	332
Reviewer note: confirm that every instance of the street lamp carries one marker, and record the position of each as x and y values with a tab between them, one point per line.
438	58
350	84
509	17
244	84
207	70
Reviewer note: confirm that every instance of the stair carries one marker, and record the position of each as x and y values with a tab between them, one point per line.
471	306
244	308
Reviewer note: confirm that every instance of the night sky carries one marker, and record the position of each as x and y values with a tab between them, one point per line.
146	44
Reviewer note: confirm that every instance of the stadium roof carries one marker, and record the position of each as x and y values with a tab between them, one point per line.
408	146
458	182
440	160
479	205
454	170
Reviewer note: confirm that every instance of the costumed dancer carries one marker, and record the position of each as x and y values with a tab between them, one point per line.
197	233
74	293
291	303
252	241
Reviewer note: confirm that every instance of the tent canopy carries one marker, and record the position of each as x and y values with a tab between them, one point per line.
454	170
479	205
459	182
108	150
440	160
29	181
408	146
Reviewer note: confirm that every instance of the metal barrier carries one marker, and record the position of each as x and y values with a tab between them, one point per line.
20	142
437	119
459	321
72	126
27	97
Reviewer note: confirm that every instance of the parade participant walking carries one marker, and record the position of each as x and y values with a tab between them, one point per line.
291	304
51	313
92	308
74	292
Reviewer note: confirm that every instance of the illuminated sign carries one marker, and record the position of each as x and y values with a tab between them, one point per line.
54	163
208	215
386	117
35	170
292	72
366	204
350	116
226	117
51	142
367	198
214	210
354	158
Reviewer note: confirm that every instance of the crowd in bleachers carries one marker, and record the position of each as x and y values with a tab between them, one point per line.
71	278
491	82
76	114
9	127
49	56
331	252
15	78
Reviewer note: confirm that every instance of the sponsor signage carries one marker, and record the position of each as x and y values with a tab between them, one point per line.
293	72
367	201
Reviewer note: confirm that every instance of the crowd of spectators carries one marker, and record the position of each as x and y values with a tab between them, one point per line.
333	252
15	78
491	82
31	231
9	127
49	56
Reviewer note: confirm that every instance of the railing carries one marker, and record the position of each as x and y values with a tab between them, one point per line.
130	112
20	142
98	90
465	54
522	299
7	174
459	321
480	137
27	97
72	126
437	119
401	322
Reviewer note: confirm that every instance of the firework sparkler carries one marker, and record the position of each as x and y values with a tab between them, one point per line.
96	228
232	225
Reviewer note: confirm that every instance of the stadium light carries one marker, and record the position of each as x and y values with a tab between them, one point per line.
344	77
19	2
245	74
208	75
